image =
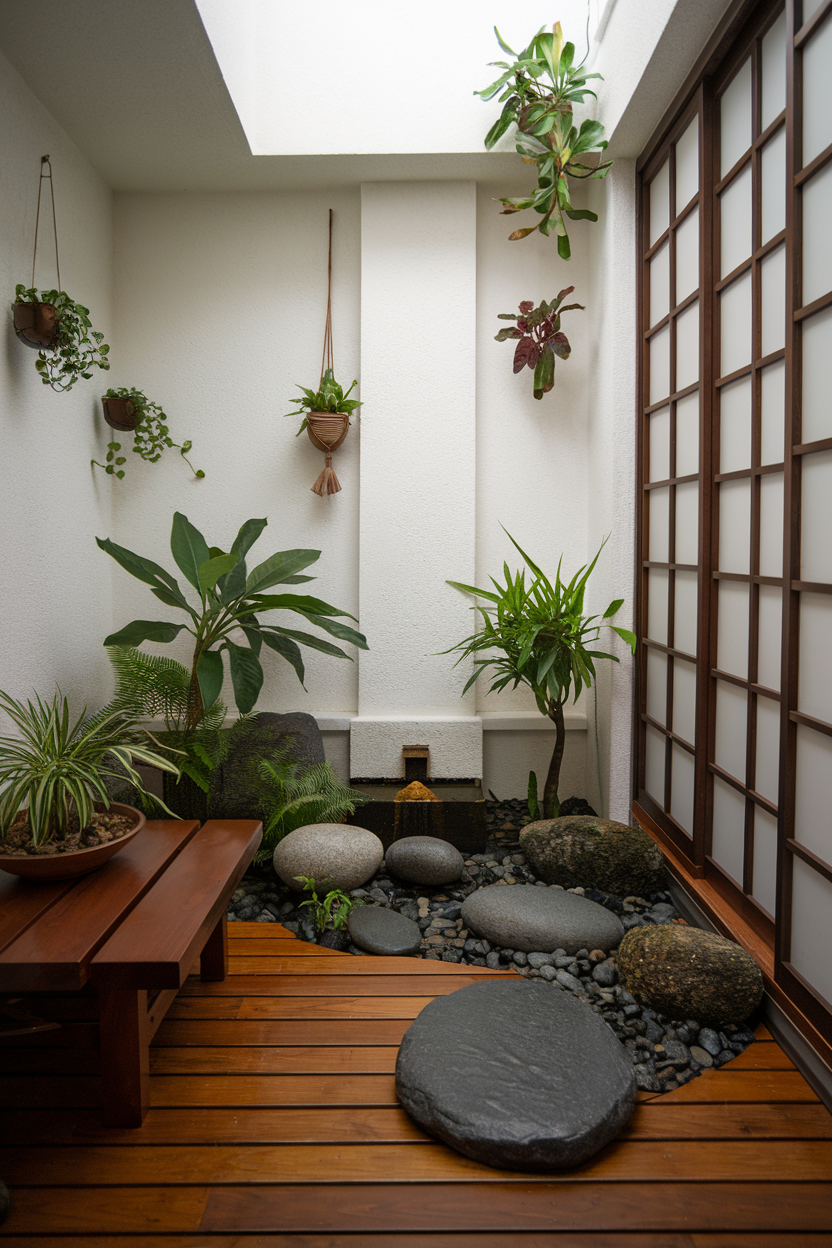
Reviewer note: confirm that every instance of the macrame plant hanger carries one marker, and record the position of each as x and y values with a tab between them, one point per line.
327	430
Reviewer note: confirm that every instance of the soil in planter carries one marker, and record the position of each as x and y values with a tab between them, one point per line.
101	829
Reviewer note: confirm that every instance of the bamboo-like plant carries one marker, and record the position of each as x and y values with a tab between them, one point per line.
540	637
58	768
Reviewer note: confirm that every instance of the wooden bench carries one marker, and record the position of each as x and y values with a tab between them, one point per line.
133	929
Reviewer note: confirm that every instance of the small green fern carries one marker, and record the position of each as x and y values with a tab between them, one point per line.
295	795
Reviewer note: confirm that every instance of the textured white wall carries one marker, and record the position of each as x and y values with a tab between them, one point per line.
55	605
220	307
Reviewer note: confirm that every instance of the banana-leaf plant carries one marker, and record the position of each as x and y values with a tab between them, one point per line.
230	599
538	92
540	338
539	636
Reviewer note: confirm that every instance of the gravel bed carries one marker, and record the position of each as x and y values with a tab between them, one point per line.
666	1053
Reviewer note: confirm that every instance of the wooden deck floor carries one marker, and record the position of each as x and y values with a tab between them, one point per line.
275	1124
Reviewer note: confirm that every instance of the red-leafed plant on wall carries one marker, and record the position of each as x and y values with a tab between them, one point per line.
540	338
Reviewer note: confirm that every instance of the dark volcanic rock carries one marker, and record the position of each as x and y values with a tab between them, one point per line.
586	851
684	972
425	860
516	1075
540	920
267	734
383	931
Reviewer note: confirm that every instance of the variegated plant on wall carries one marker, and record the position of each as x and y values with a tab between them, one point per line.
539	90
539	338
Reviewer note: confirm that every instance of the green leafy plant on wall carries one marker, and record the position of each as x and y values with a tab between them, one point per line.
538	635
329	397
75	347
538	91
151	434
540	338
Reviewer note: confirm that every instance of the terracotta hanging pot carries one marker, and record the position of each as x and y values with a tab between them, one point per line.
36	324
120	413
327	431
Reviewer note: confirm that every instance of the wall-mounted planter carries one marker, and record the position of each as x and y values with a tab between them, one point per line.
36	324
120	413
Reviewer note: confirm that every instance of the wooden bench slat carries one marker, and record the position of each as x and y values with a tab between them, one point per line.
54	952
156	944
22	901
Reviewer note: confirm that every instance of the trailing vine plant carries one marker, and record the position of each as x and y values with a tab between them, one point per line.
76	346
539	90
151	435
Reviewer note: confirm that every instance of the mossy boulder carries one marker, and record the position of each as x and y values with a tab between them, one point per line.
683	972
267	734
589	852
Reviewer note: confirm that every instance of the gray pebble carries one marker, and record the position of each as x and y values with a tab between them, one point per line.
548	973
709	1041
538	960
569	981
605	973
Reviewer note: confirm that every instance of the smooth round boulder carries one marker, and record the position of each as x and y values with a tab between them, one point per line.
335	855
683	972
516	1074
584	851
426	860
381	931
540	920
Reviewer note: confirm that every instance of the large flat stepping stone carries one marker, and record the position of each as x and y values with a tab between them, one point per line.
540	920
516	1074
425	860
379	930
334	855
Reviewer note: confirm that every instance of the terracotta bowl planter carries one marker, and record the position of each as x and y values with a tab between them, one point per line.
120	413
36	324
80	862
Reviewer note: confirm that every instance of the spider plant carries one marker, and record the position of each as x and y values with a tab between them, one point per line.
58	768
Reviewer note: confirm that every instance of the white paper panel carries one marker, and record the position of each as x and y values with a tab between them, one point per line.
687	347
682	787
728	845
657	685
731	726
687	256
734	525
654	764
687	435
658	527
732	628
687	523
687	165
684	700
660	203
817	92
735	119
774	71
735	426
764	878
813	792
735	223
772	401
769	636
814	691
817	353
735	325
811	919
817	241
816	518
660	444
768	749
771	524
773	328
657	581
687	605
774	185
809	7
660	365
660	285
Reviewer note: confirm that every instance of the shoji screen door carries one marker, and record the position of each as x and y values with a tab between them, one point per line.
735	668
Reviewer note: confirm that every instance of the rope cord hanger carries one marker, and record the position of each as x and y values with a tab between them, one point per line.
45	161
327	430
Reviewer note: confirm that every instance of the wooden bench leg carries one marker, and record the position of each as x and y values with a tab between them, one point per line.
213	961
125	1057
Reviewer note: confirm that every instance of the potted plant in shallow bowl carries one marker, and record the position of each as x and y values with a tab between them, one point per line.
131	410
61	331
56	816
326	418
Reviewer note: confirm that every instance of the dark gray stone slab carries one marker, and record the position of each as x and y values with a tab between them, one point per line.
519	916
267	734
383	931
516	1074
425	860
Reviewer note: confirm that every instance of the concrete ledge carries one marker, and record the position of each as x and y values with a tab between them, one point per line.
530	721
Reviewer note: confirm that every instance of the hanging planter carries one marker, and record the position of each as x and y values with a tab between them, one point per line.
120	413
128	410
57	327
327	410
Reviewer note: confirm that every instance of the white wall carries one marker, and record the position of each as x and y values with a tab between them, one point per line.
55	605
